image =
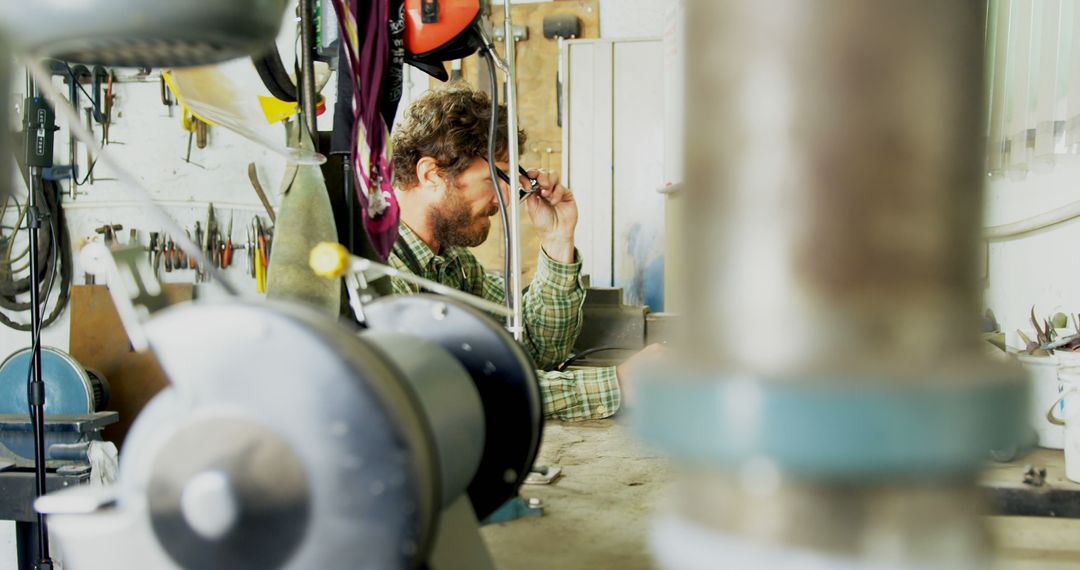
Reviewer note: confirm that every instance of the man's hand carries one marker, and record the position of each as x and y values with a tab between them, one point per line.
554	214
630	369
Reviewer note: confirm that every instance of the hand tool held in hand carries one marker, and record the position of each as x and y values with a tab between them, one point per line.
534	184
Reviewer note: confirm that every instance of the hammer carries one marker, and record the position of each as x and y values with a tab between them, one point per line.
109	231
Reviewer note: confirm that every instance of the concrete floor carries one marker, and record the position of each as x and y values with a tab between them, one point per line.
597	514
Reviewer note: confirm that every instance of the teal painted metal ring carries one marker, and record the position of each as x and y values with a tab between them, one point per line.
834	430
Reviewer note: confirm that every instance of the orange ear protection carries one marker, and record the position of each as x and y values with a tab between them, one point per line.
438	31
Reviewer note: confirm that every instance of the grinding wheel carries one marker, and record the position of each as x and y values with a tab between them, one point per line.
503	374
297	447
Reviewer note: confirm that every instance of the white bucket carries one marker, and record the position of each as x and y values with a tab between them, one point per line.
1069	420
1043	387
1067	359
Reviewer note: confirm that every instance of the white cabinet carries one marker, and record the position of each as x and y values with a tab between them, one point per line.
613	161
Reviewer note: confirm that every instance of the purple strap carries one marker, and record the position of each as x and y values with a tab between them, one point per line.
373	170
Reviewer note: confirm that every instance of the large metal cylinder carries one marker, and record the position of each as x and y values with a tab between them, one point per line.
449	399
833	172
833	184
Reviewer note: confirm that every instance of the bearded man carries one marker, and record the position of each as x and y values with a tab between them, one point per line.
446	194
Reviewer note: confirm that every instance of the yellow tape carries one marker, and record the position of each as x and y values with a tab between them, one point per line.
186	122
277	110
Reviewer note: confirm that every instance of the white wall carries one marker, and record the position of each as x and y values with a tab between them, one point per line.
633	18
1041	269
152	145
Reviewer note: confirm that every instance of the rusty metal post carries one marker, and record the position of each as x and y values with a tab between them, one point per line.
834	191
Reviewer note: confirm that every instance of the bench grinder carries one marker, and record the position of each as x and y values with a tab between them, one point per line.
288	440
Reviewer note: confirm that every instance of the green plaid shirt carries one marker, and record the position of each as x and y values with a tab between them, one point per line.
552	310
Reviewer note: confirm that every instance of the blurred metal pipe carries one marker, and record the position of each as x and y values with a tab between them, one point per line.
833	167
308	94
5	88
833	160
513	281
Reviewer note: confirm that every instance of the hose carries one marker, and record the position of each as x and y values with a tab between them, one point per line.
56	258
579	355
493	131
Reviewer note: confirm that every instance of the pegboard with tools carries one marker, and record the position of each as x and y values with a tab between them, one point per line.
215	238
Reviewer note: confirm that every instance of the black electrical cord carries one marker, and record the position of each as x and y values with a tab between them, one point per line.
97	112
58	260
493	132
71	75
579	355
93	163
11	287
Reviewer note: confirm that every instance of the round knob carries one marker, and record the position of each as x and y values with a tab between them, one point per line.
329	259
209	505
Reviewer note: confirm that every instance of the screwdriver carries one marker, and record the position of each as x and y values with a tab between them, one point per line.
168	253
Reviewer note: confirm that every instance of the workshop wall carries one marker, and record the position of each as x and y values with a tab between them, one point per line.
633	18
146	136
1042	269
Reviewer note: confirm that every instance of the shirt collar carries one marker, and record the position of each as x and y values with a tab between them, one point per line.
424	255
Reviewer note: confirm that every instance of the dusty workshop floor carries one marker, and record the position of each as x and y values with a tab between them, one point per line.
598	512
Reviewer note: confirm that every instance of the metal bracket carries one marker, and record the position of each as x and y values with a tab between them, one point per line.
543	475
520	33
134	287
362	271
516	508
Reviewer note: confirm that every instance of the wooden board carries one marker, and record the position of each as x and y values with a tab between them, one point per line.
537	65
98	341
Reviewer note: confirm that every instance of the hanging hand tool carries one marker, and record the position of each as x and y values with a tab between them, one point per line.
201	134
198	241
182	255
106	113
210	246
227	246
154	251
109	233
166	97
75	74
168	250
249	252
179	257
262	259
197	133
253	175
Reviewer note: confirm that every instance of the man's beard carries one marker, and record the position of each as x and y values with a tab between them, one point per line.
454	225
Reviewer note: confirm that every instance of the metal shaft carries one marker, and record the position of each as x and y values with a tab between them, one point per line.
513	280
833	160
307	70
36	388
35	327
833	169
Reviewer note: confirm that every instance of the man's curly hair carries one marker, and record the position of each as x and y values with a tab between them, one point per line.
449	124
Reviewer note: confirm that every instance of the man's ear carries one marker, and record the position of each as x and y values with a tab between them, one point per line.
427	172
